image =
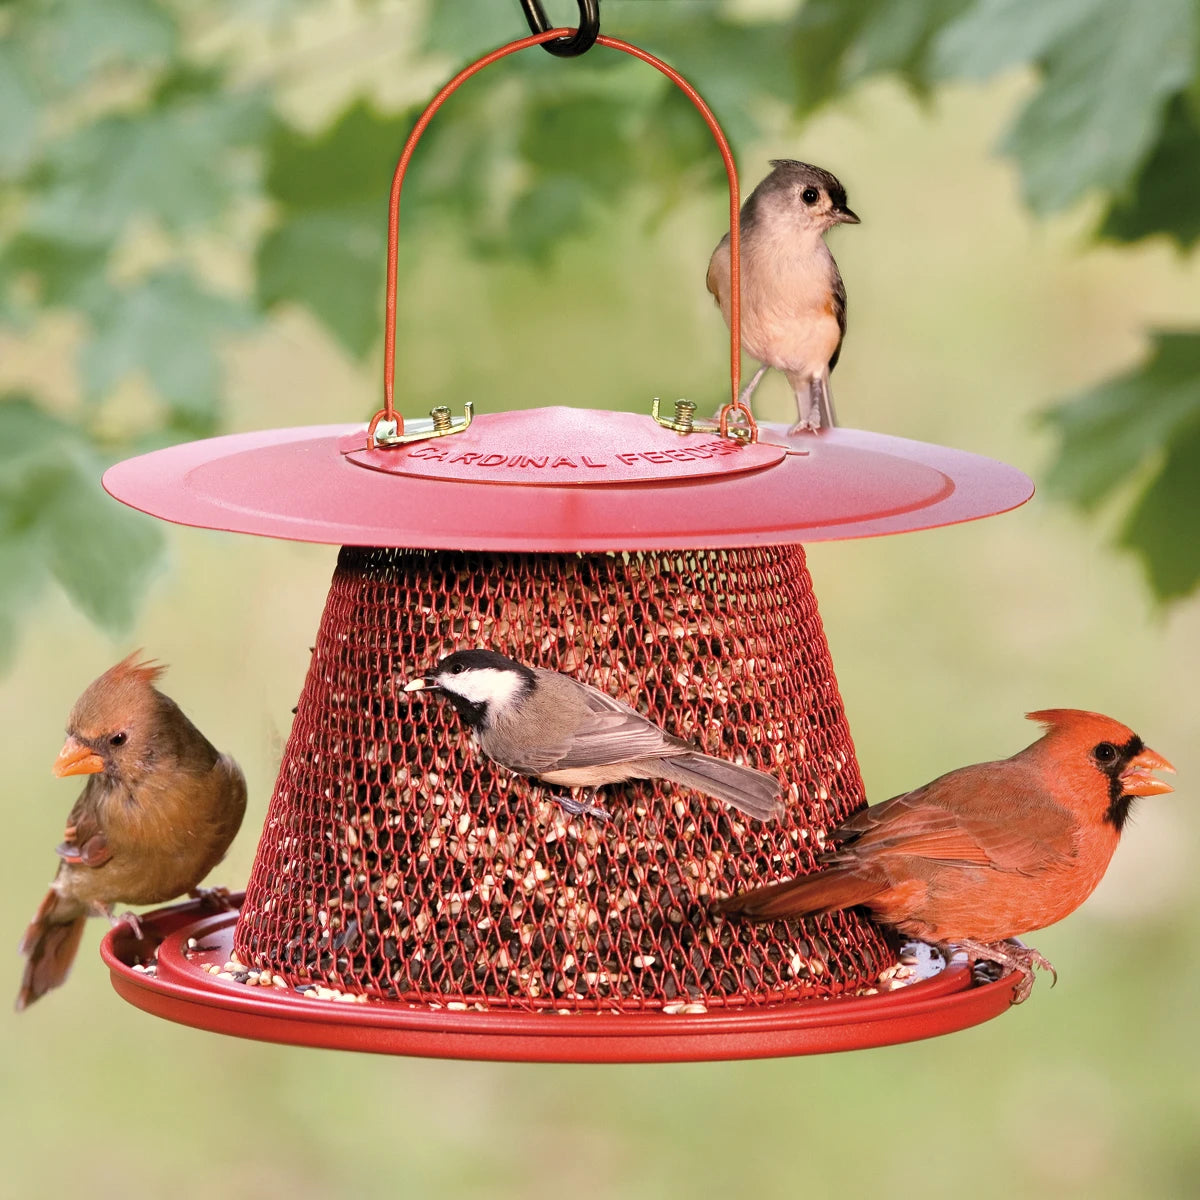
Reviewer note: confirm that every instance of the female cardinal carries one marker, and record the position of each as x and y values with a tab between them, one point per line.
987	852
158	812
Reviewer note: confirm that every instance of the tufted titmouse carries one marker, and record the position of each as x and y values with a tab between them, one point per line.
793	300
554	728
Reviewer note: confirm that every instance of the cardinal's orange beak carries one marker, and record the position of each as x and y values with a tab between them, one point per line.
1137	780
77	759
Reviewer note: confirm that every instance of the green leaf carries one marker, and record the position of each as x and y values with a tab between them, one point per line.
168	326
674	150
332	263
467	30
349	162
838	43
100	551
327	249
994	35
19	103
735	65
56	520
1146	422
547	215
174	162
1161	529
1113	430
29	439
77	38
67	273
23	577
1165	198
581	138
1108	69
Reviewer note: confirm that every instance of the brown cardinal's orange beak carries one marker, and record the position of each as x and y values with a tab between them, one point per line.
77	759
1137	780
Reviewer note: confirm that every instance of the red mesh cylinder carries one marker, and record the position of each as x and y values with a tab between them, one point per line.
398	862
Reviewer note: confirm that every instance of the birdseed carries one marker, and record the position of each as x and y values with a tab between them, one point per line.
396	862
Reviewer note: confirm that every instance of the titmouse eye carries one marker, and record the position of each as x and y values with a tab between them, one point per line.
809	195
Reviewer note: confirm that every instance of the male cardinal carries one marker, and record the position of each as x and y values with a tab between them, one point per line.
158	812
987	852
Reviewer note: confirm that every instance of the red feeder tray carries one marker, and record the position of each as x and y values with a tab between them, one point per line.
469	916
182	990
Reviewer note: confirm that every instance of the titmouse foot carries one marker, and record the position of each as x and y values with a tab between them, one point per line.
215	899
803	426
583	805
748	390
808	409
814	405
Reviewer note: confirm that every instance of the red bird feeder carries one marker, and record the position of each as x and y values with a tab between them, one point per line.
454	910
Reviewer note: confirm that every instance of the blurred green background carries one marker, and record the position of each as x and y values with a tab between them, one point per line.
192	221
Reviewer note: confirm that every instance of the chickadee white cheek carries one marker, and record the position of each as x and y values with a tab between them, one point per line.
484	685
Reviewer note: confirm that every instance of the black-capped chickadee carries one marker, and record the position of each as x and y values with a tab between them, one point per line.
566	733
793	300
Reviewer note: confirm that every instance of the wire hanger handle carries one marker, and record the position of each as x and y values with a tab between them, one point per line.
744	418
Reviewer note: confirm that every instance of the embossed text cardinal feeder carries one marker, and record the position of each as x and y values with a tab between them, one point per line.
659	560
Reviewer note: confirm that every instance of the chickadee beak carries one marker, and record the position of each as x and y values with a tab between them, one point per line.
846	216
427	684
1137	780
77	759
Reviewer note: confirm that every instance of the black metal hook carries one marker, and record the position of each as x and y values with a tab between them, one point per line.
583	39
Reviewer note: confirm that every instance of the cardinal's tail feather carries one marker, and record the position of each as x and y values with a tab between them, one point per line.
49	944
754	792
809	896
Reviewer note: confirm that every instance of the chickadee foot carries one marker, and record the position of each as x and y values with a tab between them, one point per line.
215	899
1014	955
578	807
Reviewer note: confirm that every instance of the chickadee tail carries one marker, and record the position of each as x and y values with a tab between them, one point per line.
49	944
754	792
809	896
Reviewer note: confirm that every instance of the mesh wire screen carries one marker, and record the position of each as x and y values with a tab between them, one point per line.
397	861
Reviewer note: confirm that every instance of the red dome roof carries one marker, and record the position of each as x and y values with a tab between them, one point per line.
561	479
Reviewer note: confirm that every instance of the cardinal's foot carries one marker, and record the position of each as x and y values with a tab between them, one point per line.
215	899
1032	958
126	918
1012	954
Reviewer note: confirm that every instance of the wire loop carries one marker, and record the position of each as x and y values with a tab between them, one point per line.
581	39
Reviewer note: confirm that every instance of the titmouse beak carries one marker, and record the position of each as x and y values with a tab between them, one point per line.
77	759
1137	780
846	216
427	684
